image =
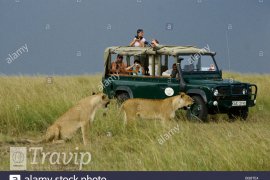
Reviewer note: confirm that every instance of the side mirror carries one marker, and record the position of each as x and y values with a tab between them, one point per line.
220	72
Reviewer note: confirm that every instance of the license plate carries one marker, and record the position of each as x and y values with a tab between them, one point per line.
239	103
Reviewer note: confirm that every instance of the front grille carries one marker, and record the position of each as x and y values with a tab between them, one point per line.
230	98
238	89
224	90
231	90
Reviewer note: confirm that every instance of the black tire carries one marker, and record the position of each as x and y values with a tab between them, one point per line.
236	113
122	96
198	110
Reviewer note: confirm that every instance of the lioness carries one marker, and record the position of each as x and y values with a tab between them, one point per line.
76	117
163	109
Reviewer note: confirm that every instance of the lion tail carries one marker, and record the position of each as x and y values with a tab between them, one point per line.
25	141
35	141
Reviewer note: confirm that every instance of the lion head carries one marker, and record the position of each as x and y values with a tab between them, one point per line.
183	100
103	100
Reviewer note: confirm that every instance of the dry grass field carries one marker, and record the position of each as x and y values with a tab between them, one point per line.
28	105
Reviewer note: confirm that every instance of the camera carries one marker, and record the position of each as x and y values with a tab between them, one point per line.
138	38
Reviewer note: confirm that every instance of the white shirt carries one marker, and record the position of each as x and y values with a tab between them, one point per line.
137	44
167	73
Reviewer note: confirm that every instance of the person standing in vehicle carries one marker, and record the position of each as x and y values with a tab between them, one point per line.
154	43
139	40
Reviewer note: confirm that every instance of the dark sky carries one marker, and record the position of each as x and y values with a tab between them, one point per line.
68	37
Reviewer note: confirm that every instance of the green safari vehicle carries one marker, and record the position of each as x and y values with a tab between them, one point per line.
197	75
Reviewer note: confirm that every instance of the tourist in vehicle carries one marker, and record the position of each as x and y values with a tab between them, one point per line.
139	40
118	66
136	68
171	72
212	67
154	43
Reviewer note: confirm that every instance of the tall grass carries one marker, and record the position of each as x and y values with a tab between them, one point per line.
29	105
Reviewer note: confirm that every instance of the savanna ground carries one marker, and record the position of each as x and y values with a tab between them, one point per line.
29	105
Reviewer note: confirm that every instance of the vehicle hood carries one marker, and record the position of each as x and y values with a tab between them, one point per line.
212	82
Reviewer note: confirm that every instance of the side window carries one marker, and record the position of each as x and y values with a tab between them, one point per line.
171	61
168	67
207	64
197	63
126	65
154	65
137	65
188	63
131	60
113	57
114	66
164	63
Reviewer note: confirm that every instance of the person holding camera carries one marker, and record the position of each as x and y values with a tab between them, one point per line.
154	43
139	40
136	68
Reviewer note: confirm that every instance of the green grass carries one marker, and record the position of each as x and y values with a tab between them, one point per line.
29	105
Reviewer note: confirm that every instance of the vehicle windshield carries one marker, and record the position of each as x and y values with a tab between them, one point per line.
198	63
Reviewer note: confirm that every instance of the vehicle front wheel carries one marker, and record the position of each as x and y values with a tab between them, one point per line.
197	110
122	96
241	113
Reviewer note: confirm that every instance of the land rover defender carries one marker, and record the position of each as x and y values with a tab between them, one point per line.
198	76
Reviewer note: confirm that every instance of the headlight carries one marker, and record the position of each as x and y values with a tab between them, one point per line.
215	92
244	91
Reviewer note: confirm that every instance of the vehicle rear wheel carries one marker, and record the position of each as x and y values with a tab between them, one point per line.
122	96
198	110
241	113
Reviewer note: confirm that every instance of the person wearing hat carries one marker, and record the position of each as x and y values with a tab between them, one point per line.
118	66
139	40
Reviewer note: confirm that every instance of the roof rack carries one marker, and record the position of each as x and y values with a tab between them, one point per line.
161	49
